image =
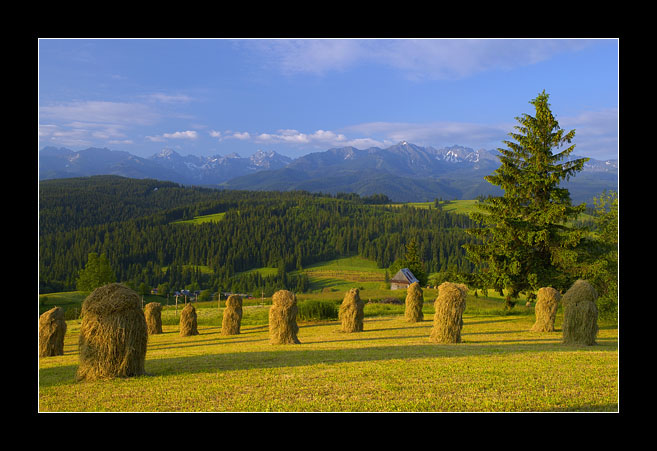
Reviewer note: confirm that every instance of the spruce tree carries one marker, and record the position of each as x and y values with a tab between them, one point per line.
96	273
525	242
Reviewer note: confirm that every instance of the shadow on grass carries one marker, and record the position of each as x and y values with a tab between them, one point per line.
294	355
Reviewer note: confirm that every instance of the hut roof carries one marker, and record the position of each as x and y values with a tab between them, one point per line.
404	275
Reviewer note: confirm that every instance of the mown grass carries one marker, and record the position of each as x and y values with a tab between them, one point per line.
390	366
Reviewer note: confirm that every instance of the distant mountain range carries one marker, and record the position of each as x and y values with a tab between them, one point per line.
404	172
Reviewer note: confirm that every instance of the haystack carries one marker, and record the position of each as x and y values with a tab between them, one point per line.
153	314
188	326
283	326
414	303
232	320
547	302
351	312
580	314
52	329
448	319
113	335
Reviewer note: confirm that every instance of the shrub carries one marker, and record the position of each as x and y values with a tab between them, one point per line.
313	310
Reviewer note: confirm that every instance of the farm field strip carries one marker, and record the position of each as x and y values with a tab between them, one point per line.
390	366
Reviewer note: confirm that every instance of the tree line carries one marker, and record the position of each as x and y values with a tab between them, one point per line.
132	223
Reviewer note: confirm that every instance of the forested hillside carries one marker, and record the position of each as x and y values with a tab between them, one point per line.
132	222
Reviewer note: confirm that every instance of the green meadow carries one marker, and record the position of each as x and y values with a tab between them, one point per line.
392	366
389	367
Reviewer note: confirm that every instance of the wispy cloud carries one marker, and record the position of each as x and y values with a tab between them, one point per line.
100	112
435	134
596	132
416	58
169	98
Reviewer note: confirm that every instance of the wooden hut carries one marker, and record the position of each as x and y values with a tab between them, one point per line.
402	279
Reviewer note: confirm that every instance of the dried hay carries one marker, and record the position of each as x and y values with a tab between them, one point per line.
232	319
188	326
52	329
414	302
283	326
547	302
448	319
580	315
351	312
113	335
153	314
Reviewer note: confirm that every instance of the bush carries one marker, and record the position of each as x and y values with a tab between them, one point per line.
317	310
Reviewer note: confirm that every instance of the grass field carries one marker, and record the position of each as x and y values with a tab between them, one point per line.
215	217
391	366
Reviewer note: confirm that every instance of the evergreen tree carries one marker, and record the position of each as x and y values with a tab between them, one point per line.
525	243
96	273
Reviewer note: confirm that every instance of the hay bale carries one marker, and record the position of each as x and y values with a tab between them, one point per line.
547	302
52	329
283	326
153	314
448	319
232	319
580	314
351	312
113	335
414	302
188	326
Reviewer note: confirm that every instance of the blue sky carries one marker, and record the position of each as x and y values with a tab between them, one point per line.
219	96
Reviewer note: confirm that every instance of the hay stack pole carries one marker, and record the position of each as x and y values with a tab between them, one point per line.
52	329
580	314
113	334
547	302
153	314
448	319
351	312
188	325
414	303
230	325
283	326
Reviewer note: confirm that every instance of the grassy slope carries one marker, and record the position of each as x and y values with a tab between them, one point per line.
390	366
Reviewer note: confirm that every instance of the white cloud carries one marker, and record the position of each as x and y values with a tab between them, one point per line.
169	98
596	132
319	138
215	134
100	112
436	134
188	134
417	58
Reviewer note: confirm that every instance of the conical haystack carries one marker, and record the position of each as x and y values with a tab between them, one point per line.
52	329
232	319
153	314
283	326
547	302
580	314
188	326
414	303
113	335
351	312
448	319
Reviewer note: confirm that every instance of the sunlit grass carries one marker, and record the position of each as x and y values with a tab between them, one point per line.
390	366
